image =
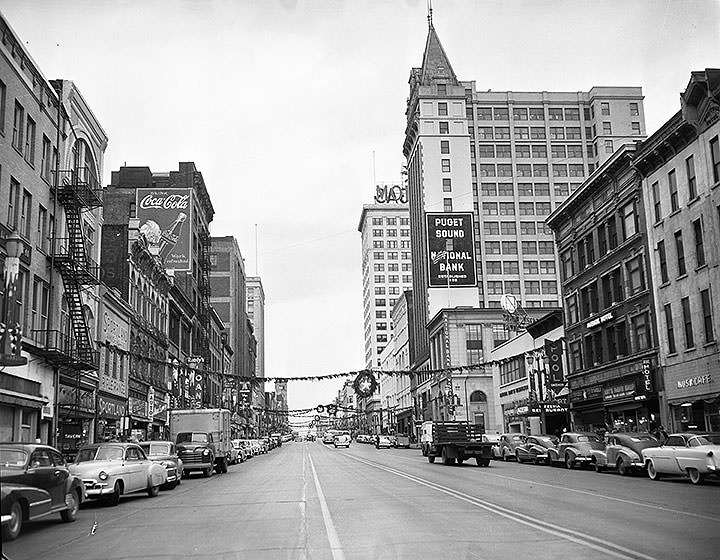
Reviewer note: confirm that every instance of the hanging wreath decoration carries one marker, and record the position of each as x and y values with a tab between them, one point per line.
320	408
365	384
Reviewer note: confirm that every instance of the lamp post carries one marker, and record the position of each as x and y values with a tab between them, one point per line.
10	329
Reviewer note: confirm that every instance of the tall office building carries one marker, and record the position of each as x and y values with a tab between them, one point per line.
255	307
508	158
386	264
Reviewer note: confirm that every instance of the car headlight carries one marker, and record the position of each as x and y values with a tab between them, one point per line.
165	463
206	452
103	475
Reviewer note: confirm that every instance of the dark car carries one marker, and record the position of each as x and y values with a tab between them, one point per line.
35	482
576	449
164	452
535	449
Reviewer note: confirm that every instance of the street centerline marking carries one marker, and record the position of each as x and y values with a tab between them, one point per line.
335	547
583	539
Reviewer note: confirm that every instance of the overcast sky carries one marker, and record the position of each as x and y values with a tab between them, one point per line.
281	103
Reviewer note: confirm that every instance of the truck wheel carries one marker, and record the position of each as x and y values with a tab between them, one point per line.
223	466
447	460
431	458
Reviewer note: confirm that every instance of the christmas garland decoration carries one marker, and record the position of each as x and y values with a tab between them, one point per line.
365	384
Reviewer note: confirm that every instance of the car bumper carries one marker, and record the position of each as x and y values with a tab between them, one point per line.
582	459
94	490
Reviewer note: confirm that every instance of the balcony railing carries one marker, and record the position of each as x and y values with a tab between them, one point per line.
79	187
60	349
62	251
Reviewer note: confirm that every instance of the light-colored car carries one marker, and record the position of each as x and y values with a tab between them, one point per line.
508	443
624	452
383	441
494	439
683	454
342	440
35	483
110	470
164	452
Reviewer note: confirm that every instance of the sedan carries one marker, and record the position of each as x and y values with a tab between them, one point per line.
342	440
164	452
576	449
383	441
624	452
688	454
109	470
535	449
508	443
35	483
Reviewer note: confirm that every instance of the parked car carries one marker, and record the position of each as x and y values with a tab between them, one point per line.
342	440
688	454
624	452
164	452
535	449
383	441
575	449
508	443
240	450
402	440
495	440
35	483
110	470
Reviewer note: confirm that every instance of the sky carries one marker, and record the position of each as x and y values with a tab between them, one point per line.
281	104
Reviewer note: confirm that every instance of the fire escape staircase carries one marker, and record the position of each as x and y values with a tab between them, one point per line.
78	190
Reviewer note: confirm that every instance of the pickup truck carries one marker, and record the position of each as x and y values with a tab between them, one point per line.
455	442
202	438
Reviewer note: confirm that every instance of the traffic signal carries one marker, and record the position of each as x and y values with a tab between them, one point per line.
15	340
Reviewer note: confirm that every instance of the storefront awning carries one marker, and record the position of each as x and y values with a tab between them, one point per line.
21	399
708	398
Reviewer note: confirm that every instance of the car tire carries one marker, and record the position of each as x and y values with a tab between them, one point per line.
569	461
482	462
72	501
12	528
517	457
695	476
599	468
505	455
549	461
622	468
431	458
153	491
114	498
223	466
171	485
207	473
652	471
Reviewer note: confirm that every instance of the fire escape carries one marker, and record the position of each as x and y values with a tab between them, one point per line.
77	191
204	289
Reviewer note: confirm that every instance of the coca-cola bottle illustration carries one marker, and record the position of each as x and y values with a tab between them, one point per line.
169	237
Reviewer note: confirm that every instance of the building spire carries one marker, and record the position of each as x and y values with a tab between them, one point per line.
430	23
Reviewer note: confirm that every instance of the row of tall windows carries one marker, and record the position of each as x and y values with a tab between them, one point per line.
528	113
513	267
511	248
531	170
390	221
698	240
528	133
702	305
525	151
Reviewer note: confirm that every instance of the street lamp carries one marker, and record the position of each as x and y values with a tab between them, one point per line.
10	329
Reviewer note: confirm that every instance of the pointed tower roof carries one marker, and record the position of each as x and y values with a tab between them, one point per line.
435	62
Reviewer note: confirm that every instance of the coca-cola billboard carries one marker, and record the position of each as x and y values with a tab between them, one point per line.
165	220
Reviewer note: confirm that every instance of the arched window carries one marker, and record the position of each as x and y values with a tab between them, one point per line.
84	162
478	397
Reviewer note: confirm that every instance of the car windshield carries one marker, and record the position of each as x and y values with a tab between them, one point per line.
100	454
588	438
547	440
642	438
12	458
197	437
699	440
157	448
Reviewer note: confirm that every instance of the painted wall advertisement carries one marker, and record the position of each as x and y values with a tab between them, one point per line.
165	221
451	250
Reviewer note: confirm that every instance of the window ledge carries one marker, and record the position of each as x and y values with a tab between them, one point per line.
709	344
693	200
671	355
689	350
664	284
682	276
701	267
674	212
658	223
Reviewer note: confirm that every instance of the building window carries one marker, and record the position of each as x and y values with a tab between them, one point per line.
503	151
557	133
692	180
18	125
377	244
486	151
509	247
537	133
377	221
495	287
540	170
488	189
539	151
635	275
634	111
26	215
527	228
505	170
484	113
560	170
493	267
715	158
707	316
572	114
447	205
30	141
529	247
699	243
445	164
609	146
680	248
562	189
547	267
607	128
532	287
525	189
521	133
506	189
512	287
511	267
502	133
672	181
641	332
508	228
492	247
501	113
656	201
635	127
507	208
3	98
520	114
629	220
558	151
662	257
530	267
45	170
444	127
546	247
442	109
13	203
377	233
687	323
490	208
522	150
670	329
555	114
604	109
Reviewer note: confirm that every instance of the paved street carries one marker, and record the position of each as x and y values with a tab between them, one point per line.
307	500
